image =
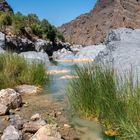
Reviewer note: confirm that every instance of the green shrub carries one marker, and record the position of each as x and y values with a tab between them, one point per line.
51	34
29	24
36	29
115	100
18	23
31	19
5	19
60	36
15	70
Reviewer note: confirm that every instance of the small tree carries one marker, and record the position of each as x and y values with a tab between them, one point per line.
51	34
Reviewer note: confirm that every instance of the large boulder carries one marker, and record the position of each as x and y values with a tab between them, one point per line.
89	52
122	49
11	133
78	53
10	98
32	55
48	132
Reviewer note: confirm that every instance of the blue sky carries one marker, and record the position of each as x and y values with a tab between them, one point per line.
56	11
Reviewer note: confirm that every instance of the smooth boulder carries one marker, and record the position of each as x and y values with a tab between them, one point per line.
122	51
89	52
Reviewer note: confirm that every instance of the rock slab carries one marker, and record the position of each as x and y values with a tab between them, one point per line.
27	89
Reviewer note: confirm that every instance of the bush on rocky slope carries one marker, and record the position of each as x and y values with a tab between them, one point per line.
29	24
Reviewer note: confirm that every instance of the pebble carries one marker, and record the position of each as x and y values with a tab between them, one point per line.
25	105
67	126
59	113
17	109
6	118
36	117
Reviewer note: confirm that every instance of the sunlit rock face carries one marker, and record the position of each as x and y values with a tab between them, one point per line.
5	7
122	50
92	27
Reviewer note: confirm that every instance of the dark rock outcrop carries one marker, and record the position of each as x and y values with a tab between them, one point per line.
19	44
92	27
23	44
5	7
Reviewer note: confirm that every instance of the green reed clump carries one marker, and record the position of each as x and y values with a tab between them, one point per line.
114	100
15	70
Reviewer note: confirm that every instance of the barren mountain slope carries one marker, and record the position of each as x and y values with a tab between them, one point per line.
92	27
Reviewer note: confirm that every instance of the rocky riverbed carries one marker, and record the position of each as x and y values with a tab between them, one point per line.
26	115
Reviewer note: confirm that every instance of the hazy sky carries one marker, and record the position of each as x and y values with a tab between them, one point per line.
56	11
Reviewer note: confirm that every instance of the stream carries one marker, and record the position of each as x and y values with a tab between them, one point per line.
59	81
54	97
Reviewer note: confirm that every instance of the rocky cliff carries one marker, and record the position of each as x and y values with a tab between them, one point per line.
4	6
92	27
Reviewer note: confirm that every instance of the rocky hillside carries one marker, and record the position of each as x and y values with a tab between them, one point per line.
4	6
92	27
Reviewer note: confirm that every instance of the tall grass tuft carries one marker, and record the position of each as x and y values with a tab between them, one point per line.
15	70
115	100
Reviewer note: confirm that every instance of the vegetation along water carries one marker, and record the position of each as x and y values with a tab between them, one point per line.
101	95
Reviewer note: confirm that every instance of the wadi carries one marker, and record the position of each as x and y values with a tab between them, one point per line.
78	81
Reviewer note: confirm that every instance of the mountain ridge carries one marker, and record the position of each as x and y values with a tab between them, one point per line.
92	27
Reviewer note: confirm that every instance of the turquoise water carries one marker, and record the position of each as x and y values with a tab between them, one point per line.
57	90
